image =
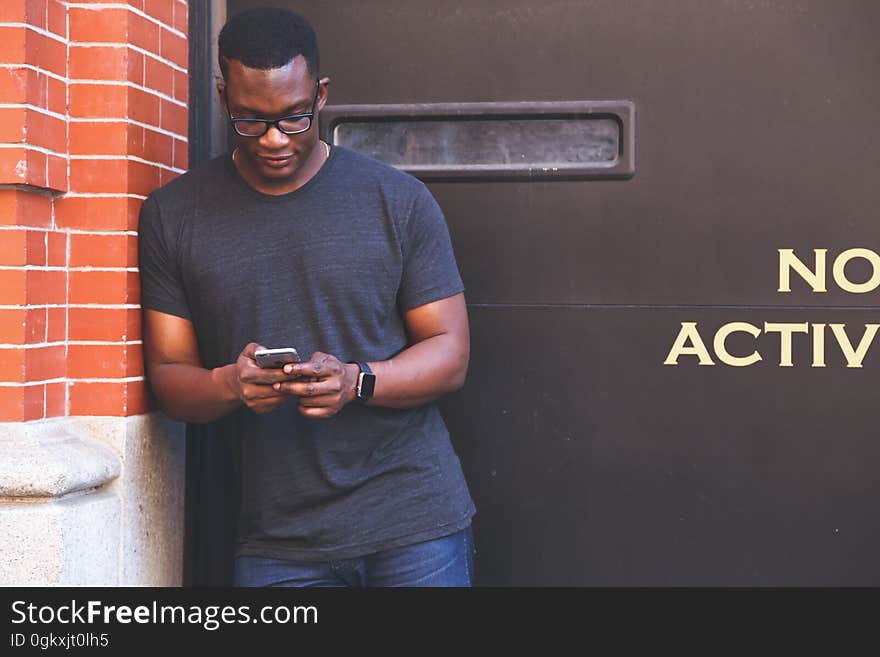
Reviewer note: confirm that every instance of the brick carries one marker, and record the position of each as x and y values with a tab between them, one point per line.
99	138
181	17
158	147
13	125
57	171
13	165
56	399
57	18
34	402
174	118
46	131
57	251
143	33
35	13
161	10
101	101
57	95
108	25
56	324
13	287
101	250
133	215
181	86
98	63
97	398
96	361
17	85
174	48
114	213
106	287
37	171
36	248
13	322
12	364
35	331
12	45
159	76
133	285
20	208
143	178
137	400
46	287
14	247
135	140
100	324
181	154
12	11
46	53
135	71
143	106
42	363
133	325
99	176
134	360
11	404
166	176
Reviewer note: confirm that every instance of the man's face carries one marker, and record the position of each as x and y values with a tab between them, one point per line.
275	158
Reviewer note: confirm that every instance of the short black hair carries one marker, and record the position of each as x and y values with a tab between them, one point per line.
266	38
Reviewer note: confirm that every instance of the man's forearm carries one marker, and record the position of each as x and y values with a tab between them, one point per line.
191	393
420	373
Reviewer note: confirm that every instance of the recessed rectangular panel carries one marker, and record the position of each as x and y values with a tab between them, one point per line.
475	144
571	140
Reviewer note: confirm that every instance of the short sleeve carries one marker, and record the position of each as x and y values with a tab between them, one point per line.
161	285
430	272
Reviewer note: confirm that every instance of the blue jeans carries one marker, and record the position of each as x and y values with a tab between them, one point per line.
445	561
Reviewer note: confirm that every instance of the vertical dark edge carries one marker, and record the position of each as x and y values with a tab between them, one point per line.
206	525
207	125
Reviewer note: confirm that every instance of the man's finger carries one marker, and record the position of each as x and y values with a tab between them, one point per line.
322	366
310	388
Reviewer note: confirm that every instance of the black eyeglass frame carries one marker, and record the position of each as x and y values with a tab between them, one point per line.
267	123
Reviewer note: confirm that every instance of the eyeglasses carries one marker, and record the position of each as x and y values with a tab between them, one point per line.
289	125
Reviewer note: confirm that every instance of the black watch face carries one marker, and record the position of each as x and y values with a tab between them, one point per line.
368	382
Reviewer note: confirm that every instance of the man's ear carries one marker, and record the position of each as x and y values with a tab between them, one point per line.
322	95
221	90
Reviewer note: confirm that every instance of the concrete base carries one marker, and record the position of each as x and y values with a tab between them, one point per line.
92	501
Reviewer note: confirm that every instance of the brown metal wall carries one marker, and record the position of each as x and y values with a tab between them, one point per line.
758	126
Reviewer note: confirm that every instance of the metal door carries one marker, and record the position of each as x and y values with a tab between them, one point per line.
592	462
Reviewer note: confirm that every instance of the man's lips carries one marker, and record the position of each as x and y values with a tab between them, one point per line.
276	160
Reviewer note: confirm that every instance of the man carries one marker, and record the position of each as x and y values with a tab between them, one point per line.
347	473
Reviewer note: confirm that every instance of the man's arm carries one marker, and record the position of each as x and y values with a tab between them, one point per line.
186	390
435	363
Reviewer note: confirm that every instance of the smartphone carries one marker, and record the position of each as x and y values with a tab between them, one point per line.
275	358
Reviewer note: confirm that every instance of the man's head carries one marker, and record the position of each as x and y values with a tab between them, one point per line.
269	61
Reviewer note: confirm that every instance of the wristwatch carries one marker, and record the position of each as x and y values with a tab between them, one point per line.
366	382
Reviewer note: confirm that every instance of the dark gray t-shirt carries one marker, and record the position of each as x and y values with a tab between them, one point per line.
328	267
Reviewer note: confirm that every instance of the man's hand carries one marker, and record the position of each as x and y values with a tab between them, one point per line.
253	385
325	385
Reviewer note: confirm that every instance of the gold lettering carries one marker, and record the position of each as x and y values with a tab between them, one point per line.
785	329
721	348
698	348
788	261
840	274
855	357
818	345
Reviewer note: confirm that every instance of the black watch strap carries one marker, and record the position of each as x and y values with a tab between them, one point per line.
366	382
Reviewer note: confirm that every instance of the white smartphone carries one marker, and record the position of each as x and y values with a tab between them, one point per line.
275	358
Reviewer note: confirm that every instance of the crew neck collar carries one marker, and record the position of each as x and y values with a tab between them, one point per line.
319	174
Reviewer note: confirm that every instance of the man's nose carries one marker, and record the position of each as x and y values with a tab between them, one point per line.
274	138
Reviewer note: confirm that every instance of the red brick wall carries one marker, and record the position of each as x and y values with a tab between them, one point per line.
93	117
